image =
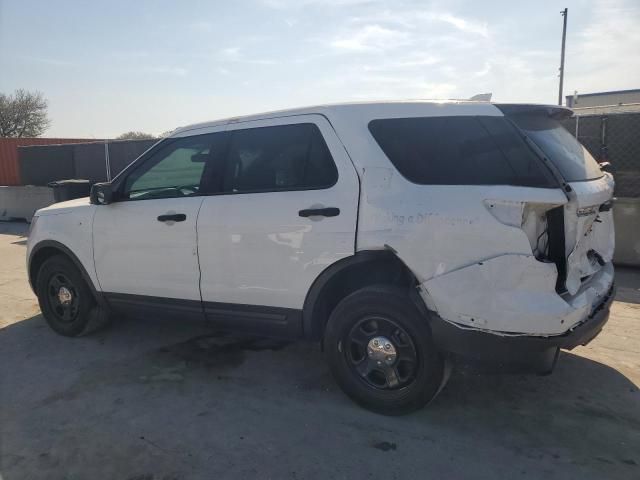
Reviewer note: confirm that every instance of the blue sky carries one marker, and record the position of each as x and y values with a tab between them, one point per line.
107	67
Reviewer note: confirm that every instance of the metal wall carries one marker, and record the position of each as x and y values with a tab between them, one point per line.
89	162
122	154
9	169
97	162
603	98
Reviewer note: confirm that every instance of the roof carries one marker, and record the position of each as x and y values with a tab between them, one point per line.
463	106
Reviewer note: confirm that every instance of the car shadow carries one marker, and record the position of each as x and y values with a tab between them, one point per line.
583	382
628	284
577	383
143	367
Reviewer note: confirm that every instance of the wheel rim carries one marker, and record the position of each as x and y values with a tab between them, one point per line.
63	297
381	353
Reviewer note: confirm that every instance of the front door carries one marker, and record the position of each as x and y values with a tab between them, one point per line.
287	210
145	246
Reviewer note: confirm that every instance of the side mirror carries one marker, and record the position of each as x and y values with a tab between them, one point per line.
101	194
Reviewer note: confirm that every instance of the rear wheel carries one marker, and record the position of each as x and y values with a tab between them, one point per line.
381	353
65	299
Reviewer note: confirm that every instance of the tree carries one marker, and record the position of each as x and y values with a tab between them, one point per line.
23	114
135	136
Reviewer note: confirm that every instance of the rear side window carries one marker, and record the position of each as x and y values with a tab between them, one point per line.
460	151
287	157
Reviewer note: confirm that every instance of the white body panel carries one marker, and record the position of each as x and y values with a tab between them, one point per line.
69	223
137	254
255	249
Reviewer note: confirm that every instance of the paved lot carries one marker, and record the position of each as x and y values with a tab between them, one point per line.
157	400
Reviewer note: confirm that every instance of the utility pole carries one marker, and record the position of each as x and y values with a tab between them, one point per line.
564	13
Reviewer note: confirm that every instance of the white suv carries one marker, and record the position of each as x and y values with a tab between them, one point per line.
398	234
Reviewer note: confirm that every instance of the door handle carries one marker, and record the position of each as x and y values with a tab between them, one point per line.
172	217
320	212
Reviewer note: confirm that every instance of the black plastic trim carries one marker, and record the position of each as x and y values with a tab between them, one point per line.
320	212
556	245
249	319
146	305
517	353
255	319
175	217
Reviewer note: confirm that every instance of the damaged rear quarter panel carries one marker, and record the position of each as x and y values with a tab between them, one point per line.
468	250
436	229
473	261
509	293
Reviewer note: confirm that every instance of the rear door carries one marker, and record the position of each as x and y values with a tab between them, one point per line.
287	211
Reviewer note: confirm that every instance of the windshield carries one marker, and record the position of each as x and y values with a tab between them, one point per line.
573	161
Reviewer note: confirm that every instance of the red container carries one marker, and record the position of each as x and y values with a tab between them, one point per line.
9	170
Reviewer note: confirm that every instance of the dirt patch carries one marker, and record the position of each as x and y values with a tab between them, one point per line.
385	446
218	350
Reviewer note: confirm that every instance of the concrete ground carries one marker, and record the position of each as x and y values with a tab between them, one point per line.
152	400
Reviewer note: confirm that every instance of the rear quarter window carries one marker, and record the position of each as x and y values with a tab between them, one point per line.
461	150
574	162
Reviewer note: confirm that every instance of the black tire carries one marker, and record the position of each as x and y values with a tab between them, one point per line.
395	384
79	314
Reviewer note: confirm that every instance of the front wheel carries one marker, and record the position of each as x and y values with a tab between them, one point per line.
65	299
380	351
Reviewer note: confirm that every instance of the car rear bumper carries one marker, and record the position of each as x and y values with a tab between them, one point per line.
518	353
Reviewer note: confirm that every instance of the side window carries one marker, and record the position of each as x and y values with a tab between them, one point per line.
287	157
176	168
459	150
526	165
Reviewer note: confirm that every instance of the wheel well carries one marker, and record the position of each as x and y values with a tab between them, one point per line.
38	259
345	277
48	249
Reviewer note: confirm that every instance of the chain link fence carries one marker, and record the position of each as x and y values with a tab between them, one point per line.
613	138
